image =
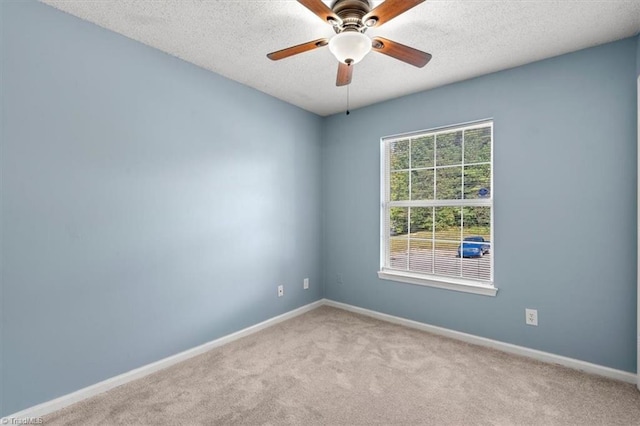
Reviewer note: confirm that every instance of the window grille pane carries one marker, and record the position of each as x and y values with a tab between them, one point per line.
449	148
446	260
398	238
422	222
399	186
477	268
422	152
422	184
398	218
421	255
477	145
399	153
449	183
448	223
476	246
421	239
398	252
477	181
477	221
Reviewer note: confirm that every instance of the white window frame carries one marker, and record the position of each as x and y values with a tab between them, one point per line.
467	285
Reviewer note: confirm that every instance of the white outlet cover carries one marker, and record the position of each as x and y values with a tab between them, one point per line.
280	290
531	316
306	284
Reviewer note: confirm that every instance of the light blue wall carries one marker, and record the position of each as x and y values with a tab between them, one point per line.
148	206
565	205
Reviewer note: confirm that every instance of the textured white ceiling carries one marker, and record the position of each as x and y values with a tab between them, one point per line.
466	38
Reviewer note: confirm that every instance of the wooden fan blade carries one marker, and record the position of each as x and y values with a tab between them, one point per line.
345	72
322	10
300	48
401	52
389	10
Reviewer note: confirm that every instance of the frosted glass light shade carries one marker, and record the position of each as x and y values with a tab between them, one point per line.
350	47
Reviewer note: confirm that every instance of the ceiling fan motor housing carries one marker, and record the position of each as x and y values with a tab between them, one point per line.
351	12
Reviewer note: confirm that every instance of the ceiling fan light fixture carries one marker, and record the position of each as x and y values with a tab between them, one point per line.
349	47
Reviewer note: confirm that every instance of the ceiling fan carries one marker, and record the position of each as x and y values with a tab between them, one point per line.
350	19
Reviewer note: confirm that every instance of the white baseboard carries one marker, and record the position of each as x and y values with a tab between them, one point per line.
48	407
576	364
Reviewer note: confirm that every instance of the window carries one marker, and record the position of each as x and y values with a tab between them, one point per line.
437	208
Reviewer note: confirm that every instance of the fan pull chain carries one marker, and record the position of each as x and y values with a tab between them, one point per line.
348	99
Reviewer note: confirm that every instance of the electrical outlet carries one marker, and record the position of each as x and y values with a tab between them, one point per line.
305	285
531	316
280	290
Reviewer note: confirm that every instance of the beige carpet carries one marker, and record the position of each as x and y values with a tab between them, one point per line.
330	366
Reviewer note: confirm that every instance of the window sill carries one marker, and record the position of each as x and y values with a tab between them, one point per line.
454	284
